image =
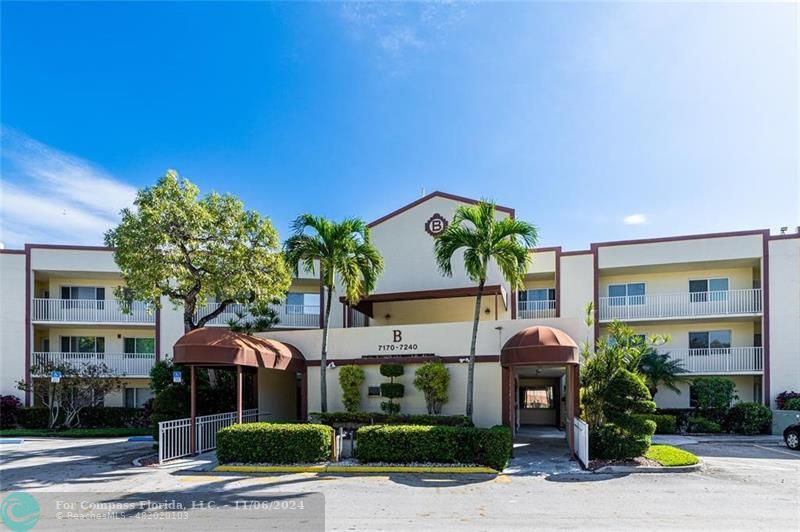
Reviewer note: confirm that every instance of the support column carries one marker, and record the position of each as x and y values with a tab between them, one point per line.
192	411
239	392
572	392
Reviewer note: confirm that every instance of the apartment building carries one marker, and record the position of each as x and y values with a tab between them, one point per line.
729	302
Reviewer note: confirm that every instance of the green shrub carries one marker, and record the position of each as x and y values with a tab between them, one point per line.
111	417
665	424
10	405
748	418
391	390
714	396
792	404
433	379
782	398
372	418
436	444
274	443
35	417
669	456
703	425
614	442
350	379
171	403
392	370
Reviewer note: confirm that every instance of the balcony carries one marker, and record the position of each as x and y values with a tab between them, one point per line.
289	316
745	302
719	360
533	310
98	311
120	364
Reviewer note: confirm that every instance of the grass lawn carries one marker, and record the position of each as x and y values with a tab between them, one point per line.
74	433
670	456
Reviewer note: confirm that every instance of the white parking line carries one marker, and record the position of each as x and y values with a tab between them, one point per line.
790	453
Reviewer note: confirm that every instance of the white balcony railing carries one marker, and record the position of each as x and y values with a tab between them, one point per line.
681	305
89	311
291	316
120	364
720	360
527	310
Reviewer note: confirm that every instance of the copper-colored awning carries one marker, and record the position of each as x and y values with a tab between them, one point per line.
539	345
213	346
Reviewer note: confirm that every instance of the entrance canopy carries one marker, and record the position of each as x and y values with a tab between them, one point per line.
216	346
539	345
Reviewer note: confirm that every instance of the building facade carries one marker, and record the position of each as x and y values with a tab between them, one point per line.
729	302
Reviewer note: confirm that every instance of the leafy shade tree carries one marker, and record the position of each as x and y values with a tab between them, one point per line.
483	239
190	249
433	380
346	255
350	379
659	369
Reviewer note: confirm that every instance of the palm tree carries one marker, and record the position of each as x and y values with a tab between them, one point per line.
344	251
483	239
660	369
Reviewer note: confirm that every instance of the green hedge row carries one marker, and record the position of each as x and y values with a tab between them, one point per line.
101	417
436	444
665	423
274	443
373	418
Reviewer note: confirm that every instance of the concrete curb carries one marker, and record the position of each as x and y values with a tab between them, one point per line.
625	470
466	470
138	461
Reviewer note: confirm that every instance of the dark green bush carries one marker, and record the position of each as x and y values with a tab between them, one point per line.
9	406
111	417
714	396
392	370
436	444
792	404
665	424
336	419
35	417
274	443
748	418
392	390
614	442
171	403
703	425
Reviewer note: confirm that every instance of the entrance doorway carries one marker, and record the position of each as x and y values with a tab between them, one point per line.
540	397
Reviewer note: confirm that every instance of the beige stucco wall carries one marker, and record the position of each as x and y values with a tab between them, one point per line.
681	251
277	394
12	323
678	282
666	398
439	310
784	315
73	260
543	262
540	283
576	290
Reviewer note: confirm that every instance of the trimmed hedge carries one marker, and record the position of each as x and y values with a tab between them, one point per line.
336	419
274	443
703	425
665	423
437	444
748	418
614	442
99	417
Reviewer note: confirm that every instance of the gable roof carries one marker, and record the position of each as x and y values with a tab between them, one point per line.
436	194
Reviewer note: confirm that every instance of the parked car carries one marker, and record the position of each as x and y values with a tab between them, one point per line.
791	435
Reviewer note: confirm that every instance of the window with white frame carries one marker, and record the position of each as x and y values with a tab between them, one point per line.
706	340
83	293
302	303
537	299
83	344
626	294
714	289
139	345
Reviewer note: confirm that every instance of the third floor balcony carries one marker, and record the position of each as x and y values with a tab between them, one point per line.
722	303
94	311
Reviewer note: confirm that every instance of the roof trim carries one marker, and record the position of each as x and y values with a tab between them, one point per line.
436	194
68	247
701	236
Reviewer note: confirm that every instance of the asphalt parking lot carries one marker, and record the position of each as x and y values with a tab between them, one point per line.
743	486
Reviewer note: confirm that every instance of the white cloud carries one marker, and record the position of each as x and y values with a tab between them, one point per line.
47	195
635	219
399	39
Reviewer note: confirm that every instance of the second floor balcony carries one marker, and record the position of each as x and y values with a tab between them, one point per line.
289	316
719	360
118	364
96	311
532	310
681	305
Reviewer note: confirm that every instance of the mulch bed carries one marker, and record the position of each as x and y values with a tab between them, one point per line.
640	461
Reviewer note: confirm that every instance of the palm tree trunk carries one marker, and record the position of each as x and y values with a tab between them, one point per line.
471	368
323	359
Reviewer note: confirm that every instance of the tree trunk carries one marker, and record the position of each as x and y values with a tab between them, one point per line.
471	368
323	360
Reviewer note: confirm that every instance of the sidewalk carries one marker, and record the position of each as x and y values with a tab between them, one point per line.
677	439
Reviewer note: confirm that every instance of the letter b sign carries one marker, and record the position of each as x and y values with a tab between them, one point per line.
398	335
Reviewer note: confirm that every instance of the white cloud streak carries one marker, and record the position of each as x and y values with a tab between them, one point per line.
635	219
47	195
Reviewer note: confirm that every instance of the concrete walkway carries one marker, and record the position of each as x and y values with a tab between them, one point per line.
541	451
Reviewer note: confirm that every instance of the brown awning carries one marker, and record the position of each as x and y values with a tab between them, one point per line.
216	346
365	305
539	345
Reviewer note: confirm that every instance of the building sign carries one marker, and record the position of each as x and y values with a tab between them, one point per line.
436	225
397	344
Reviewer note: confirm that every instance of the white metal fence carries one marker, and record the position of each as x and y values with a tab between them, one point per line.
300	316
174	437
528	310
723	360
681	305
581	443
89	311
120	364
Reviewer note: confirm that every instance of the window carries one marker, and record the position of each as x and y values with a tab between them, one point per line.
83	293
137	397
302	303
626	294
140	345
538	298
710	339
83	344
702	290
536	397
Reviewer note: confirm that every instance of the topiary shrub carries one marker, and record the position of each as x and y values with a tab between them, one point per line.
274	443
433	379
10	405
391	390
424	443
792	404
665	424
699	424
350	379
748	418
615	442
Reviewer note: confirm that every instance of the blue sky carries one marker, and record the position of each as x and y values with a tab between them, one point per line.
596	121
